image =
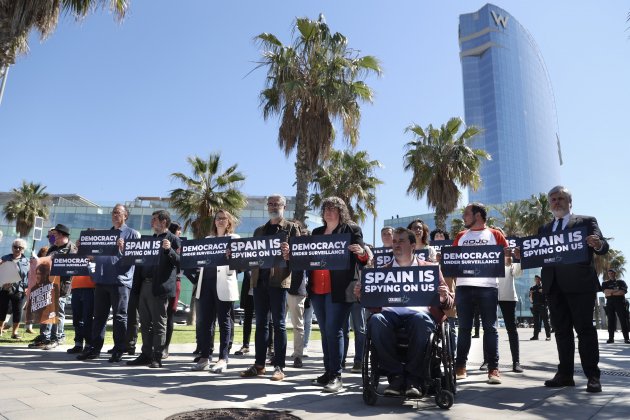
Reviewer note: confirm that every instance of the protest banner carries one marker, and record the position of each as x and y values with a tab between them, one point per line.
563	247
320	252
42	301
438	244
98	242
382	256
423	254
69	265
513	242
473	261
207	252
143	251
258	252
400	286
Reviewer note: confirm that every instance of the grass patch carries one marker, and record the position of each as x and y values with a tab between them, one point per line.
182	334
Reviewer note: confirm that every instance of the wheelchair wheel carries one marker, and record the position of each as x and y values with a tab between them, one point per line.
369	396
444	399
448	364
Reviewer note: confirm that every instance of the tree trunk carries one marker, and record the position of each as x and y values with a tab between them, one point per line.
302	178
440	219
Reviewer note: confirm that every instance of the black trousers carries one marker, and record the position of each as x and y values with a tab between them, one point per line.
617	308
540	314
574	311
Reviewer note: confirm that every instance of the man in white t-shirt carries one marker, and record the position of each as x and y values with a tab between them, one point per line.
478	290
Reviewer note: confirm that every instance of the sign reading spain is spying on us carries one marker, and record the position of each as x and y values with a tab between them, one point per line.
98	242
320	252
207	252
473	261
399	286
382	256
258	252
564	247
143	251
69	265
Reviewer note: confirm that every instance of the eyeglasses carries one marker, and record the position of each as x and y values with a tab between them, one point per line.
275	204
17	247
222	219
117	212
416	227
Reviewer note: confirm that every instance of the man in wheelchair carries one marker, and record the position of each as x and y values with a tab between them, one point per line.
418	322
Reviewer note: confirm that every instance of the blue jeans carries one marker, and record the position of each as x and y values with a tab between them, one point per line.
331	317
82	315
209	309
54	332
357	317
115	297
487	299
272	299
383	326
308	321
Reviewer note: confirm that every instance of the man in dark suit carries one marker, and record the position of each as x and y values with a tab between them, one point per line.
572	290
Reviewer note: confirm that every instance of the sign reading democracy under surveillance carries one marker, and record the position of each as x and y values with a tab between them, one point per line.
564	247
143	251
258	252
473	261
98	242
69	265
320	252
382	256
400	286
208	252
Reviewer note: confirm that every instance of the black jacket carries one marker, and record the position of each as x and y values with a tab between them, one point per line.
164	274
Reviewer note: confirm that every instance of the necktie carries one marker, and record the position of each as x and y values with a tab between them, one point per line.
559	225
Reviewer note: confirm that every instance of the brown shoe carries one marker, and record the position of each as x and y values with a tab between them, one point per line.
253	371
460	372
278	374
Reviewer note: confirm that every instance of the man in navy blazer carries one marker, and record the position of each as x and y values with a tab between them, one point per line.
572	290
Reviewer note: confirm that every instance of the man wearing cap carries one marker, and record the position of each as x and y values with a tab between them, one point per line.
112	281
571	290
539	308
615	292
51	334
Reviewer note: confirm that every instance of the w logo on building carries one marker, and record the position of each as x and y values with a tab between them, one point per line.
499	20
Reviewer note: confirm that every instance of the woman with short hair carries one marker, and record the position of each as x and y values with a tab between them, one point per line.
14	292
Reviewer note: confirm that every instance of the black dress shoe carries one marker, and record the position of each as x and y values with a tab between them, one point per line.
116	357
593	385
110	351
610	341
75	350
142	360
131	351
559	381
88	354
626	341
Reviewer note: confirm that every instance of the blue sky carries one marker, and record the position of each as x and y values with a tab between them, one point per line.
109	110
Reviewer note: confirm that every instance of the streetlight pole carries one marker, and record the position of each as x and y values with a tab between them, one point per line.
4	73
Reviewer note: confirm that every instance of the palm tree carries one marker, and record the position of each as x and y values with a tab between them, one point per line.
310	84
457	225
18	17
441	160
537	213
512	215
349	176
25	204
205	192
614	258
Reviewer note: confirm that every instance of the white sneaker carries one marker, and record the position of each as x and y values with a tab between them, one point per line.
219	367
200	365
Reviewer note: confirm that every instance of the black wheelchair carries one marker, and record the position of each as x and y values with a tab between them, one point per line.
438	368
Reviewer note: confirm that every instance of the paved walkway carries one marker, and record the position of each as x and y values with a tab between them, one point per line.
53	385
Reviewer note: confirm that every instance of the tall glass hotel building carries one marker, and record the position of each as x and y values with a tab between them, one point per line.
508	94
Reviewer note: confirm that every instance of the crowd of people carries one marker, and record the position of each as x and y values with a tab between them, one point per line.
145	297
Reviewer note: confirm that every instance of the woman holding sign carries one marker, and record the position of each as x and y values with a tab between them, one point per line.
327	290
217	290
13	291
421	230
